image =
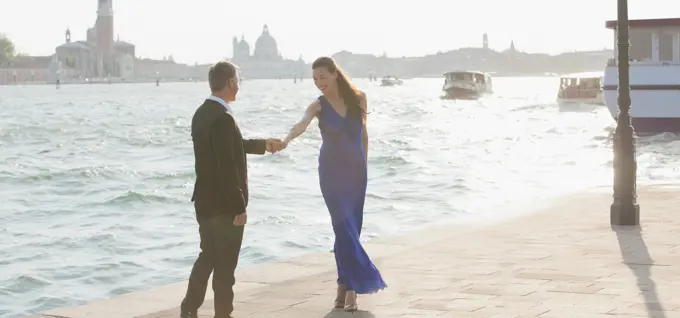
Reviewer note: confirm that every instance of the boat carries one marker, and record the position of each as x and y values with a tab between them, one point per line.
391	81
466	85
654	75
581	89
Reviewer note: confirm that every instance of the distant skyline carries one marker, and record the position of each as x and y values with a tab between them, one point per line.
201	30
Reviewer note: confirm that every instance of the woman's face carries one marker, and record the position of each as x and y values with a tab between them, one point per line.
324	80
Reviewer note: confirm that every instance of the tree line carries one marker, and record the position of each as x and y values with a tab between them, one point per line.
7	50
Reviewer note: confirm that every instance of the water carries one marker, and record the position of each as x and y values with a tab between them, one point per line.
96	179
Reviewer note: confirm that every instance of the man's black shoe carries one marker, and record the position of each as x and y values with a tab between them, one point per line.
188	315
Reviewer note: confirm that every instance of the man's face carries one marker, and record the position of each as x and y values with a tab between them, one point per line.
234	85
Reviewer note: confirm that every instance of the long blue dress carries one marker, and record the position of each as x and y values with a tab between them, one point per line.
343	177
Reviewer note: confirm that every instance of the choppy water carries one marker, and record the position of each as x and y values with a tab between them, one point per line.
96	179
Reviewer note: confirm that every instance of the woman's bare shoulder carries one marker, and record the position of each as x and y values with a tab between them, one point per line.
314	107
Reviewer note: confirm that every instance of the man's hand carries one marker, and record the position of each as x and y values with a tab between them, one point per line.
275	145
241	219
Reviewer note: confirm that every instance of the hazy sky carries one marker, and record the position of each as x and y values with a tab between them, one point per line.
201	30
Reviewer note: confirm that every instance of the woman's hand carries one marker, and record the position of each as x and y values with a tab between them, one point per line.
274	145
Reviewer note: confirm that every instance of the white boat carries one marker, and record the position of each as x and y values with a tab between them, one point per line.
654	75
391	81
466	85
581	89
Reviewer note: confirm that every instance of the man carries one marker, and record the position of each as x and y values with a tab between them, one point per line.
221	191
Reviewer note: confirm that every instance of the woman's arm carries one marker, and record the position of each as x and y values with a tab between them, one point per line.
312	111
364	138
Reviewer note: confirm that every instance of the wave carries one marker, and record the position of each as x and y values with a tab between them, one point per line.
131	197
108	187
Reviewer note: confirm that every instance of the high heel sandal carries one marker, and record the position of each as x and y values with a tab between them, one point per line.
340	298
339	304
353	306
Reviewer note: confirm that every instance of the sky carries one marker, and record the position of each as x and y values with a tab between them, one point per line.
202	30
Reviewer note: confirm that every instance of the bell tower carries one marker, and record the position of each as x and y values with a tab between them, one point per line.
104	28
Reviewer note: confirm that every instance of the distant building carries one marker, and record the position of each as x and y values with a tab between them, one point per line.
99	55
485	41
266	60
168	70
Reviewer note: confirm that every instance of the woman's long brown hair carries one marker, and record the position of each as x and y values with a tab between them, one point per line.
348	92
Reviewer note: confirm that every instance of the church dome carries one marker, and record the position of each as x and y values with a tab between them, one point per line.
244	45
265	46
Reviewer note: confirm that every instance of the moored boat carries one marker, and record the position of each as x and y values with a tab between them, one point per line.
654	75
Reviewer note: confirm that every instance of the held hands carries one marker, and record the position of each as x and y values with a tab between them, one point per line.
275	145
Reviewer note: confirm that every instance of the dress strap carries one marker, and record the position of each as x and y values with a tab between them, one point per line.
324	102
323	116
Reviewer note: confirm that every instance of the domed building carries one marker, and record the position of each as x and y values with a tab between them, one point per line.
266	60
241	49
265	47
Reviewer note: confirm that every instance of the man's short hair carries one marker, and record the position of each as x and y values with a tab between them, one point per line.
220	75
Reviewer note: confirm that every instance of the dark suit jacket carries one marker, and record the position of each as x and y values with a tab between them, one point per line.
220	161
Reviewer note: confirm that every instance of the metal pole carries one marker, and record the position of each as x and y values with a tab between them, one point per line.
624	210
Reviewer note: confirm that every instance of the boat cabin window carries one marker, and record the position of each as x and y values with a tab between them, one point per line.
580	83
467	77
641	43
590	83
460	77
479	78
568	82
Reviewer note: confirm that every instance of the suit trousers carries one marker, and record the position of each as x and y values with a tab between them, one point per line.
220	247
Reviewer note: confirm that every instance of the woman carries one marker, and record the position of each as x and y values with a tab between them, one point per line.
341	111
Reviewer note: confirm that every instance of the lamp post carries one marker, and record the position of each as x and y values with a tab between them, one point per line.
624	210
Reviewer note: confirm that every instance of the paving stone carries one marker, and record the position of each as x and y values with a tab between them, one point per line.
561	260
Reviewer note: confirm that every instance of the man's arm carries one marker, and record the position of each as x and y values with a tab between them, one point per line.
255	146
222	135
364	138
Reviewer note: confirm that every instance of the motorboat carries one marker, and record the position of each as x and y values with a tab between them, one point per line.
581	89
391	81
466	85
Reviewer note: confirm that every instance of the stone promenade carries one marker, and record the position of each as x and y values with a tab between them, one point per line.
557	260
